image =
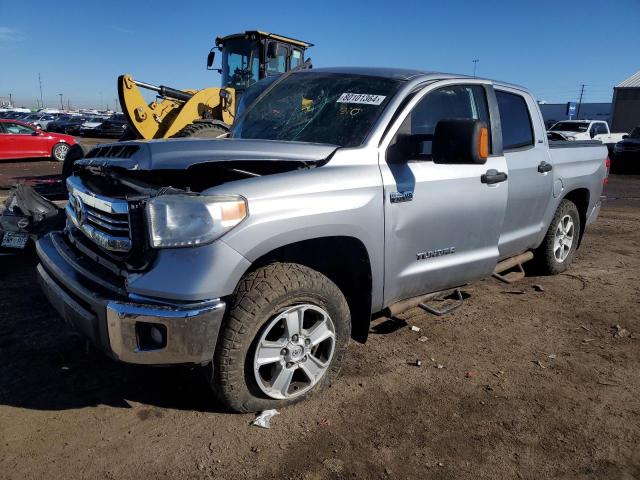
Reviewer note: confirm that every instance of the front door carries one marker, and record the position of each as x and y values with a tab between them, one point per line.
442	223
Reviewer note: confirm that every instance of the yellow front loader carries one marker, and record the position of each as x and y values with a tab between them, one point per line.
209	113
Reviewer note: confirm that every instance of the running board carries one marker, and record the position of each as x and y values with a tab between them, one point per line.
448	309
510	263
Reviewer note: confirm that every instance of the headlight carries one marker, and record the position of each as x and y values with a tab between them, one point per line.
186	220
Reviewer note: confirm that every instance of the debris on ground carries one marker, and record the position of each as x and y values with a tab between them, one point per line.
423	339
439	366
324	422
263	420
585	328
538	287
552	356
499	373
514	292
620	332
472	373
414	328
418	363
587	340
539	363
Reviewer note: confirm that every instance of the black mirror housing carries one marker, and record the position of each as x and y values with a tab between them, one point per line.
272	50
210	58
460	140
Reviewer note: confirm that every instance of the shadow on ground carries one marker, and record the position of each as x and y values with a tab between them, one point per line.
46	366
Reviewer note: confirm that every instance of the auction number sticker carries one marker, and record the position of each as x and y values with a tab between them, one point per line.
361	98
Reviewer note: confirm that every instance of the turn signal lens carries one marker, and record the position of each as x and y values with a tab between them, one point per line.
483	143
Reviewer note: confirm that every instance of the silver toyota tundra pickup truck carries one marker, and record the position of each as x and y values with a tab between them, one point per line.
340	193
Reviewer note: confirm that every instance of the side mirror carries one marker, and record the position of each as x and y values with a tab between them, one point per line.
210	58
460	141
625	136
592	133
272	50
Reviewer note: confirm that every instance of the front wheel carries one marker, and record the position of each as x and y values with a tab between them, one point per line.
559	246
283	339
59	152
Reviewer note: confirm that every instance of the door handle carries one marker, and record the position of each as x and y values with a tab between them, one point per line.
493	176
545	167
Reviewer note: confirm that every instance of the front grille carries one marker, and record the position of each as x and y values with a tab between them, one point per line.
103	220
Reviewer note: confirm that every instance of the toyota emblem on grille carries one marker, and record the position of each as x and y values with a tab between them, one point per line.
78	209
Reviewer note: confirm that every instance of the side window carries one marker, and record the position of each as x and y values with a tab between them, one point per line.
278	64
16	128
517	131
456	101
296	58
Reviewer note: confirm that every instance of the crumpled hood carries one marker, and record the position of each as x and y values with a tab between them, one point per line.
181	153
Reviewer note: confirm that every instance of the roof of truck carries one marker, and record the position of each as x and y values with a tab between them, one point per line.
406	74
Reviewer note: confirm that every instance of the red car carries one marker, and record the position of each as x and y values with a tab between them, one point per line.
21	140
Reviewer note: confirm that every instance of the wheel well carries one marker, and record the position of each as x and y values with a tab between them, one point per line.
580	197
345	261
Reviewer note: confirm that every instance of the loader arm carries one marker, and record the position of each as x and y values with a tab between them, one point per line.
174	109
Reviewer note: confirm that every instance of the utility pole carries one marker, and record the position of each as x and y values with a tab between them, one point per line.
475	66
68	104
115	100
580	101
61	104
40	82
10	100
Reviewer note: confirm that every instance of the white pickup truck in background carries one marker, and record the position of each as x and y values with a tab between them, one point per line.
584	130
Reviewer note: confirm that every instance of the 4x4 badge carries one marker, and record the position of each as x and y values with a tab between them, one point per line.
397	197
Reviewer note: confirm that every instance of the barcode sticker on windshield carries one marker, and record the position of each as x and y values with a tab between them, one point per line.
362	98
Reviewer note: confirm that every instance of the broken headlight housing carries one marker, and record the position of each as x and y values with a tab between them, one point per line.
189	220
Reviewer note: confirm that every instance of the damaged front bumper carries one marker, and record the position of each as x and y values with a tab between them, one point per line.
130	329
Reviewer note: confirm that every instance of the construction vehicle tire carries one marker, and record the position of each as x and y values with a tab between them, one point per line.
202	130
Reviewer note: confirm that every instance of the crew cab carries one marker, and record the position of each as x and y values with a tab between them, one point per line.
341	193
586	130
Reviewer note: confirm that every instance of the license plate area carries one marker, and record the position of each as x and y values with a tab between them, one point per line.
14	240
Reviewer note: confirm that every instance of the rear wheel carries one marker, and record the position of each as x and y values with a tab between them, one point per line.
202	130
559	246
283	339
59	152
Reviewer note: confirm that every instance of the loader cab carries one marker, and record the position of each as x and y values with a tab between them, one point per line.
251	56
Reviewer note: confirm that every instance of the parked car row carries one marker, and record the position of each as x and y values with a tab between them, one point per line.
624	149
90	125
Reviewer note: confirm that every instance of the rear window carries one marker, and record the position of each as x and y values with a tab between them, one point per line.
517	131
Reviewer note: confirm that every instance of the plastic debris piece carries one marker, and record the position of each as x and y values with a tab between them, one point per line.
538	288
439	366
539	363
264	418
414	328
423	339
620	332
418	363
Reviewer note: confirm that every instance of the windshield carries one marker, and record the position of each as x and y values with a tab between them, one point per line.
318	107
570	127
635	133
240	63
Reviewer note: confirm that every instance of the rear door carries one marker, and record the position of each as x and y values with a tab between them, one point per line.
530	171
442	223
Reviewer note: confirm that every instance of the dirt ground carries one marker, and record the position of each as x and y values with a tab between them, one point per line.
533	385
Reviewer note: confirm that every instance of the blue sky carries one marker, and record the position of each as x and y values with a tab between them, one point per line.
80	47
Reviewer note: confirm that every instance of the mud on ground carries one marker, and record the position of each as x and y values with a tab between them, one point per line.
534	384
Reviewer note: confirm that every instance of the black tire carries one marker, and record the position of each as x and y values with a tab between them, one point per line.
202	130
75	153
546	261
60	151
260	296
128	134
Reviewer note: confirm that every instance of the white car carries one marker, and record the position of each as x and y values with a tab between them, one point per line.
586	130
41	120
89	126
